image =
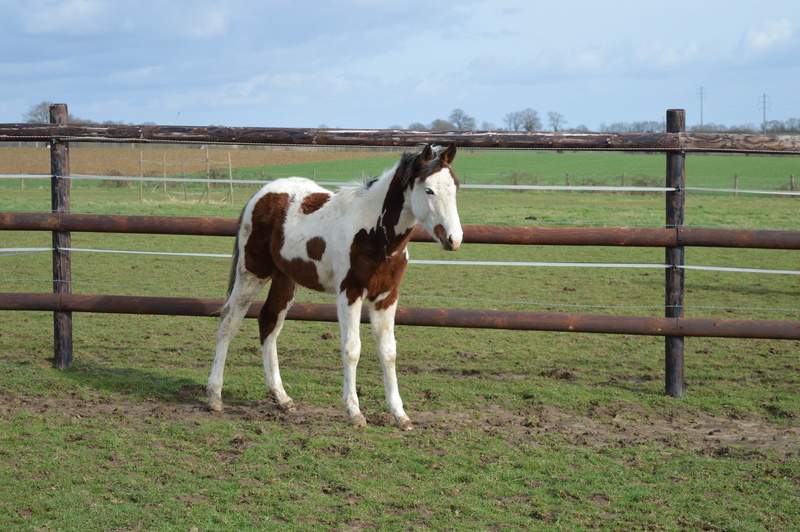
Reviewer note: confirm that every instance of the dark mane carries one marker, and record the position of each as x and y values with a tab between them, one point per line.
409	168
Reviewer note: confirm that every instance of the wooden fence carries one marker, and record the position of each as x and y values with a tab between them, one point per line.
674	237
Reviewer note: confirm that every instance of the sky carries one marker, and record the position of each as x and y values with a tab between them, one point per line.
368	64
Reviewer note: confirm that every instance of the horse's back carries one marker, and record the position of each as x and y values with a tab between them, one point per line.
300	186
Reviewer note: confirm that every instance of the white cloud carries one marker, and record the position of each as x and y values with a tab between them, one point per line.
660	54
135	76
207	24
73	17
770	34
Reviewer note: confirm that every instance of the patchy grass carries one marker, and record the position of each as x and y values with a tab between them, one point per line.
517	430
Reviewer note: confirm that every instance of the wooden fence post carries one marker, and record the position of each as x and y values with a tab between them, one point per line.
208	176
164	173
62	266
141	182
674	299
183	176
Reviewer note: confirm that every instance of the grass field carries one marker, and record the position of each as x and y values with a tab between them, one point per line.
514	430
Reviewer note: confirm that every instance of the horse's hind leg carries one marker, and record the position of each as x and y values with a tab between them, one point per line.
270	323
245	290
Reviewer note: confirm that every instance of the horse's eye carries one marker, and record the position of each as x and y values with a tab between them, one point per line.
429	191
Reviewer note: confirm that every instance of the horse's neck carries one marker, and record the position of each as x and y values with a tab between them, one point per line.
388	215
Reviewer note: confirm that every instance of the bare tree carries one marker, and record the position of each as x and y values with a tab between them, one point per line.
556	120
525	120
513	121
461	120
38	114
441	125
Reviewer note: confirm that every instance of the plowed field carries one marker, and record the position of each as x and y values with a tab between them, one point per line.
125	161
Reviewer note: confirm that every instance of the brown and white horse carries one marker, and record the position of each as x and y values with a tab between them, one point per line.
352	244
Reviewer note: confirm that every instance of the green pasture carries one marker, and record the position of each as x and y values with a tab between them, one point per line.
583	168
514	430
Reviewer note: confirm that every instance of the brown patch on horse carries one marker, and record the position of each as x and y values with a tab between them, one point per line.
263	248
314	201
375	267
268	215
315	247
440	233
281	294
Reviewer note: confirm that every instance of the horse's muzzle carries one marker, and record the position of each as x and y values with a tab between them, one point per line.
449	244
446	241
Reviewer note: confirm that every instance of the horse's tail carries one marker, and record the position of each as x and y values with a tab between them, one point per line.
234	262
235	258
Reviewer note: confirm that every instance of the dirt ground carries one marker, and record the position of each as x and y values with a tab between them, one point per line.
124	161
602	427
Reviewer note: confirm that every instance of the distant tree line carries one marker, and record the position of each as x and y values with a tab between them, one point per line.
524	120
529	120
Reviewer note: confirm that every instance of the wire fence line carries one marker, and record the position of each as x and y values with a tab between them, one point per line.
316	295
17	251
565	188
5	252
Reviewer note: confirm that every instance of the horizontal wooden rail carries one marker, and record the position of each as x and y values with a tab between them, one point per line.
688	142
473	234
485	319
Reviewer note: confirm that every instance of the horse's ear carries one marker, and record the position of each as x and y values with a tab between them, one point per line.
425	155
449	153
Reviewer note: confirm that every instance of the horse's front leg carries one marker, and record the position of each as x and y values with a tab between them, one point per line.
383	330
349	323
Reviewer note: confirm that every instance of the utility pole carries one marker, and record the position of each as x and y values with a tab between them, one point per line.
701	108
763	104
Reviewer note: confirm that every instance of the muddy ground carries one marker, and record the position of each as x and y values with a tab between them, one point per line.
602	427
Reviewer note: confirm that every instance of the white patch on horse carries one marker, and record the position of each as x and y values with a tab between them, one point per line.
381	297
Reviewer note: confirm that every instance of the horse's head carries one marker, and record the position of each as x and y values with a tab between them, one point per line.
433	196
